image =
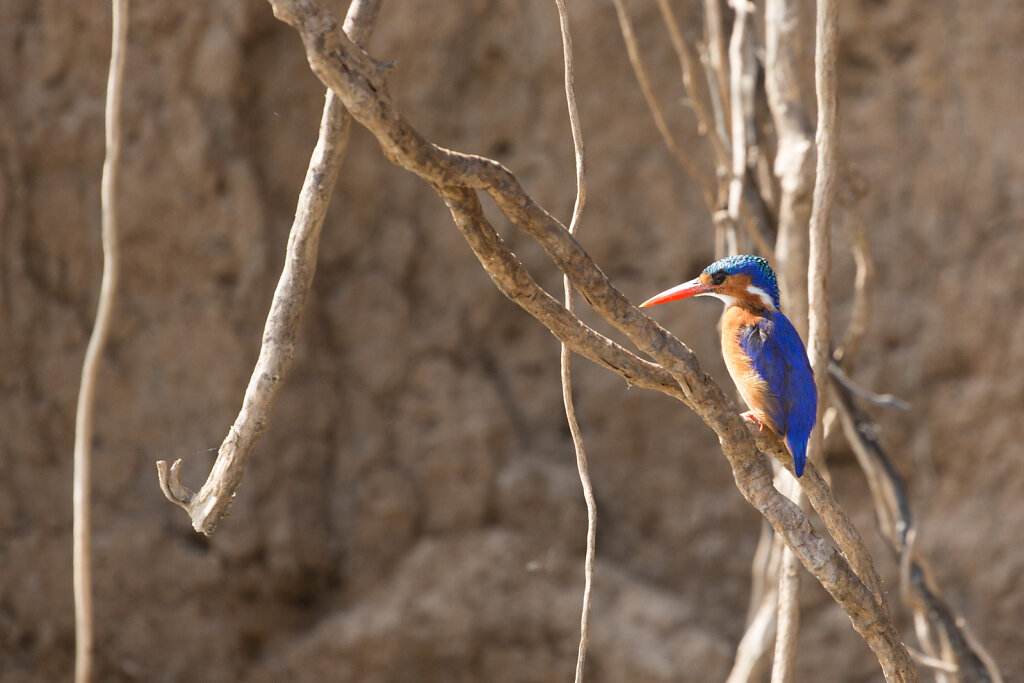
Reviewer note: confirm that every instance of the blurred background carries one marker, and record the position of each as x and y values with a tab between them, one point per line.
413	512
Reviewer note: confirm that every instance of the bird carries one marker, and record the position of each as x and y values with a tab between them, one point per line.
763	352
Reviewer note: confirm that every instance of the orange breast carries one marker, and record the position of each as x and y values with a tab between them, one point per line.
752	387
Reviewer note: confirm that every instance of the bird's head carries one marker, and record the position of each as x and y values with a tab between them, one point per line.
745	280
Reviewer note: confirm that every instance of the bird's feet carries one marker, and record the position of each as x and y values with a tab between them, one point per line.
749	415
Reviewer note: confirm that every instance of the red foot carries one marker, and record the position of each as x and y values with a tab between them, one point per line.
749	415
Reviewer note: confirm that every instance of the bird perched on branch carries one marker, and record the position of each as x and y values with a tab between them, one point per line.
762	350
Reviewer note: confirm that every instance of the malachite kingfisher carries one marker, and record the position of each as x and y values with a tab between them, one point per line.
763	351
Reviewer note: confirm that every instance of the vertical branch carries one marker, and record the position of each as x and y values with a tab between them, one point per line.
207	506
565	356
788	629
761	618
742	78
826	38
626	26
863	283
793	167
717	64
794	159
826	43
90	367
705	124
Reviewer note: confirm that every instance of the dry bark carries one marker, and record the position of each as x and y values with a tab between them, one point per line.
210	504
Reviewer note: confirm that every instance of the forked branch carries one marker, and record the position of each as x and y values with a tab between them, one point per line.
208	506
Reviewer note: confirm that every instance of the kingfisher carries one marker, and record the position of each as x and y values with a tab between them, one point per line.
763	351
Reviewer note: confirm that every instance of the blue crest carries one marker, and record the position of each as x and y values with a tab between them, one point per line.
760	273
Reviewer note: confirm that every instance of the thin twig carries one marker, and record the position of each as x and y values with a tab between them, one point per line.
787	634
705	124
975	647
565	356
81	551
209	505
794	158
360	82
932	662
764	600
626	25
760	568
742	78
934	619
717	64
863	285
883	400
760	632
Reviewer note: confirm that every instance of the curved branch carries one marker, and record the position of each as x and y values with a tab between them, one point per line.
626	26
81	538
512	280
705	125
860	312
208	506
565	355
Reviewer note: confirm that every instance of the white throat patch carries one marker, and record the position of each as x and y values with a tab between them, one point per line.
765	297
729	300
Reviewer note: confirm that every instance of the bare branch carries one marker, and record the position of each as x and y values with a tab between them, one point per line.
717	64
794	159
793	167
742	77
626	25
565	356
705	124
81	541
207	506
884	400
729	239
761	623
932	662
788	628
360	82
819	260
863	285
826	36
826	45
933	617
512	279
743	197
574	124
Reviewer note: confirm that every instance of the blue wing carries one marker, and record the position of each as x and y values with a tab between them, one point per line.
778	356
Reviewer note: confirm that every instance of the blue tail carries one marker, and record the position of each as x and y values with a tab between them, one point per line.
798	447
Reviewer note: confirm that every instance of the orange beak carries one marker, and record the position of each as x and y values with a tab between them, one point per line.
684	291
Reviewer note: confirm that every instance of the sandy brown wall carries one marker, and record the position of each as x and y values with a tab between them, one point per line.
413	513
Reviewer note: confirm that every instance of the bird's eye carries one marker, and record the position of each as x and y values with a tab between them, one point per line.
718	277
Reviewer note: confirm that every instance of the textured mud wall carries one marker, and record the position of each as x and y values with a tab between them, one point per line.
413	513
